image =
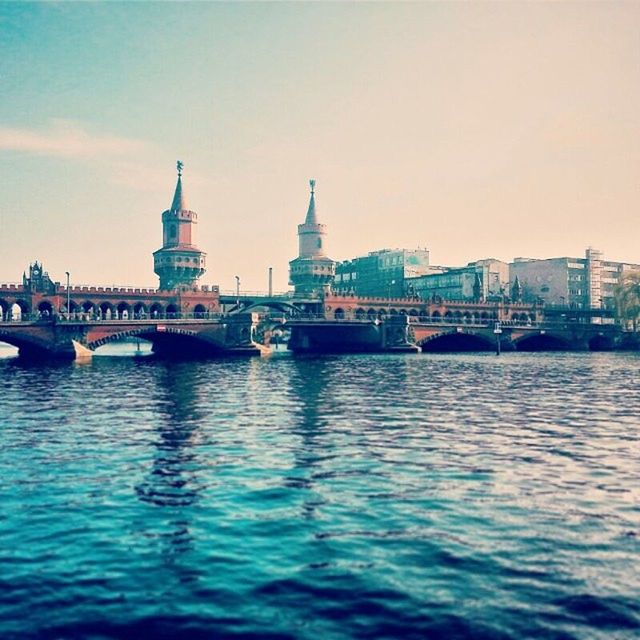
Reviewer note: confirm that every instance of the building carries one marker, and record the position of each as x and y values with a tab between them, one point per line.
480	280
179	263
578	283
312	272
385	273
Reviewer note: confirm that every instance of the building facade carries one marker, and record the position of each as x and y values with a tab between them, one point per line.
385	273
312	272
578	283
480	280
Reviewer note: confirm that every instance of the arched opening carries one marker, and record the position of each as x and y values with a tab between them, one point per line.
156	310
371	314
467	317
88	308
140	311
19	311
382	314
45	310
107	312
393	312
338	314
172	311
74	308
601	343
124	311
484	317
414	313
542	342
360	314
199	311
457	316
436	316
5	316
457	343
448	316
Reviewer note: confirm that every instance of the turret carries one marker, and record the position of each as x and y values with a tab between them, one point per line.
179	262
312	272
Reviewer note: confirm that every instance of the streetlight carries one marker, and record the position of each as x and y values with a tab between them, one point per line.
391	283
68	296
237	291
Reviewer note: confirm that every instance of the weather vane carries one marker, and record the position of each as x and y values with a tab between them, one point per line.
179	164
313	185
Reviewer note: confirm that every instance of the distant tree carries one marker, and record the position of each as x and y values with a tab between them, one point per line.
627	296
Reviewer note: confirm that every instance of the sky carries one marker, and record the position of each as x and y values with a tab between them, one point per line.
473	130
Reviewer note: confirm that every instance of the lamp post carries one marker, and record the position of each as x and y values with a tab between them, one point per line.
270	281
237	291
391	283
68	296
497	330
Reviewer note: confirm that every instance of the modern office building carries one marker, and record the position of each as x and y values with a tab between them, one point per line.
579	283
479	280
384	273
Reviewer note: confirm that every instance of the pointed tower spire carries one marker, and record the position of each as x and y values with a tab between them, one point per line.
179	202
311	212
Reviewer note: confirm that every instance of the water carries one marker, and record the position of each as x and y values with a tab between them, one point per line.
429	496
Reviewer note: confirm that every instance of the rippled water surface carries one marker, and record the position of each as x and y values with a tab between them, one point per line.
453	496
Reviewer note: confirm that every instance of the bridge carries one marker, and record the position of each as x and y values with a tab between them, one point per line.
55	321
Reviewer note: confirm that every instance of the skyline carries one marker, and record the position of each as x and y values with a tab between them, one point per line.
473	131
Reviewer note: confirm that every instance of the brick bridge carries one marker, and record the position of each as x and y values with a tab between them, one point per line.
193	321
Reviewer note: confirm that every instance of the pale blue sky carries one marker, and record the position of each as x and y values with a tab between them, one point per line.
475	130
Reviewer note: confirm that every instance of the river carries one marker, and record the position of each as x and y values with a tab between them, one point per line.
386	496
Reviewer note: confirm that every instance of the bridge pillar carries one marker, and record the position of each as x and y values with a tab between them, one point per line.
396	335
241	333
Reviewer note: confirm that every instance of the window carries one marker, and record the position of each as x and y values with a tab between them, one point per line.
173	231
319	243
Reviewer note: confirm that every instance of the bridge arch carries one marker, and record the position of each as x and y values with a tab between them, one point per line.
542	342
277	305
139	310
124	310
172	311
361	314
88	307
19	310
199	311
156	310
338	314
25	343
4	311
456	342
107	311
45	309
601	343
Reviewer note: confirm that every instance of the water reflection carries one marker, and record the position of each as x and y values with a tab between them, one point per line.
309	384
173	483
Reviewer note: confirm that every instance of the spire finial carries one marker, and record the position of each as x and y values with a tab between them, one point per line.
179	166
312	184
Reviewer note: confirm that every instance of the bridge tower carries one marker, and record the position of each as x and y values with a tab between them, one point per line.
312	272
179	262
